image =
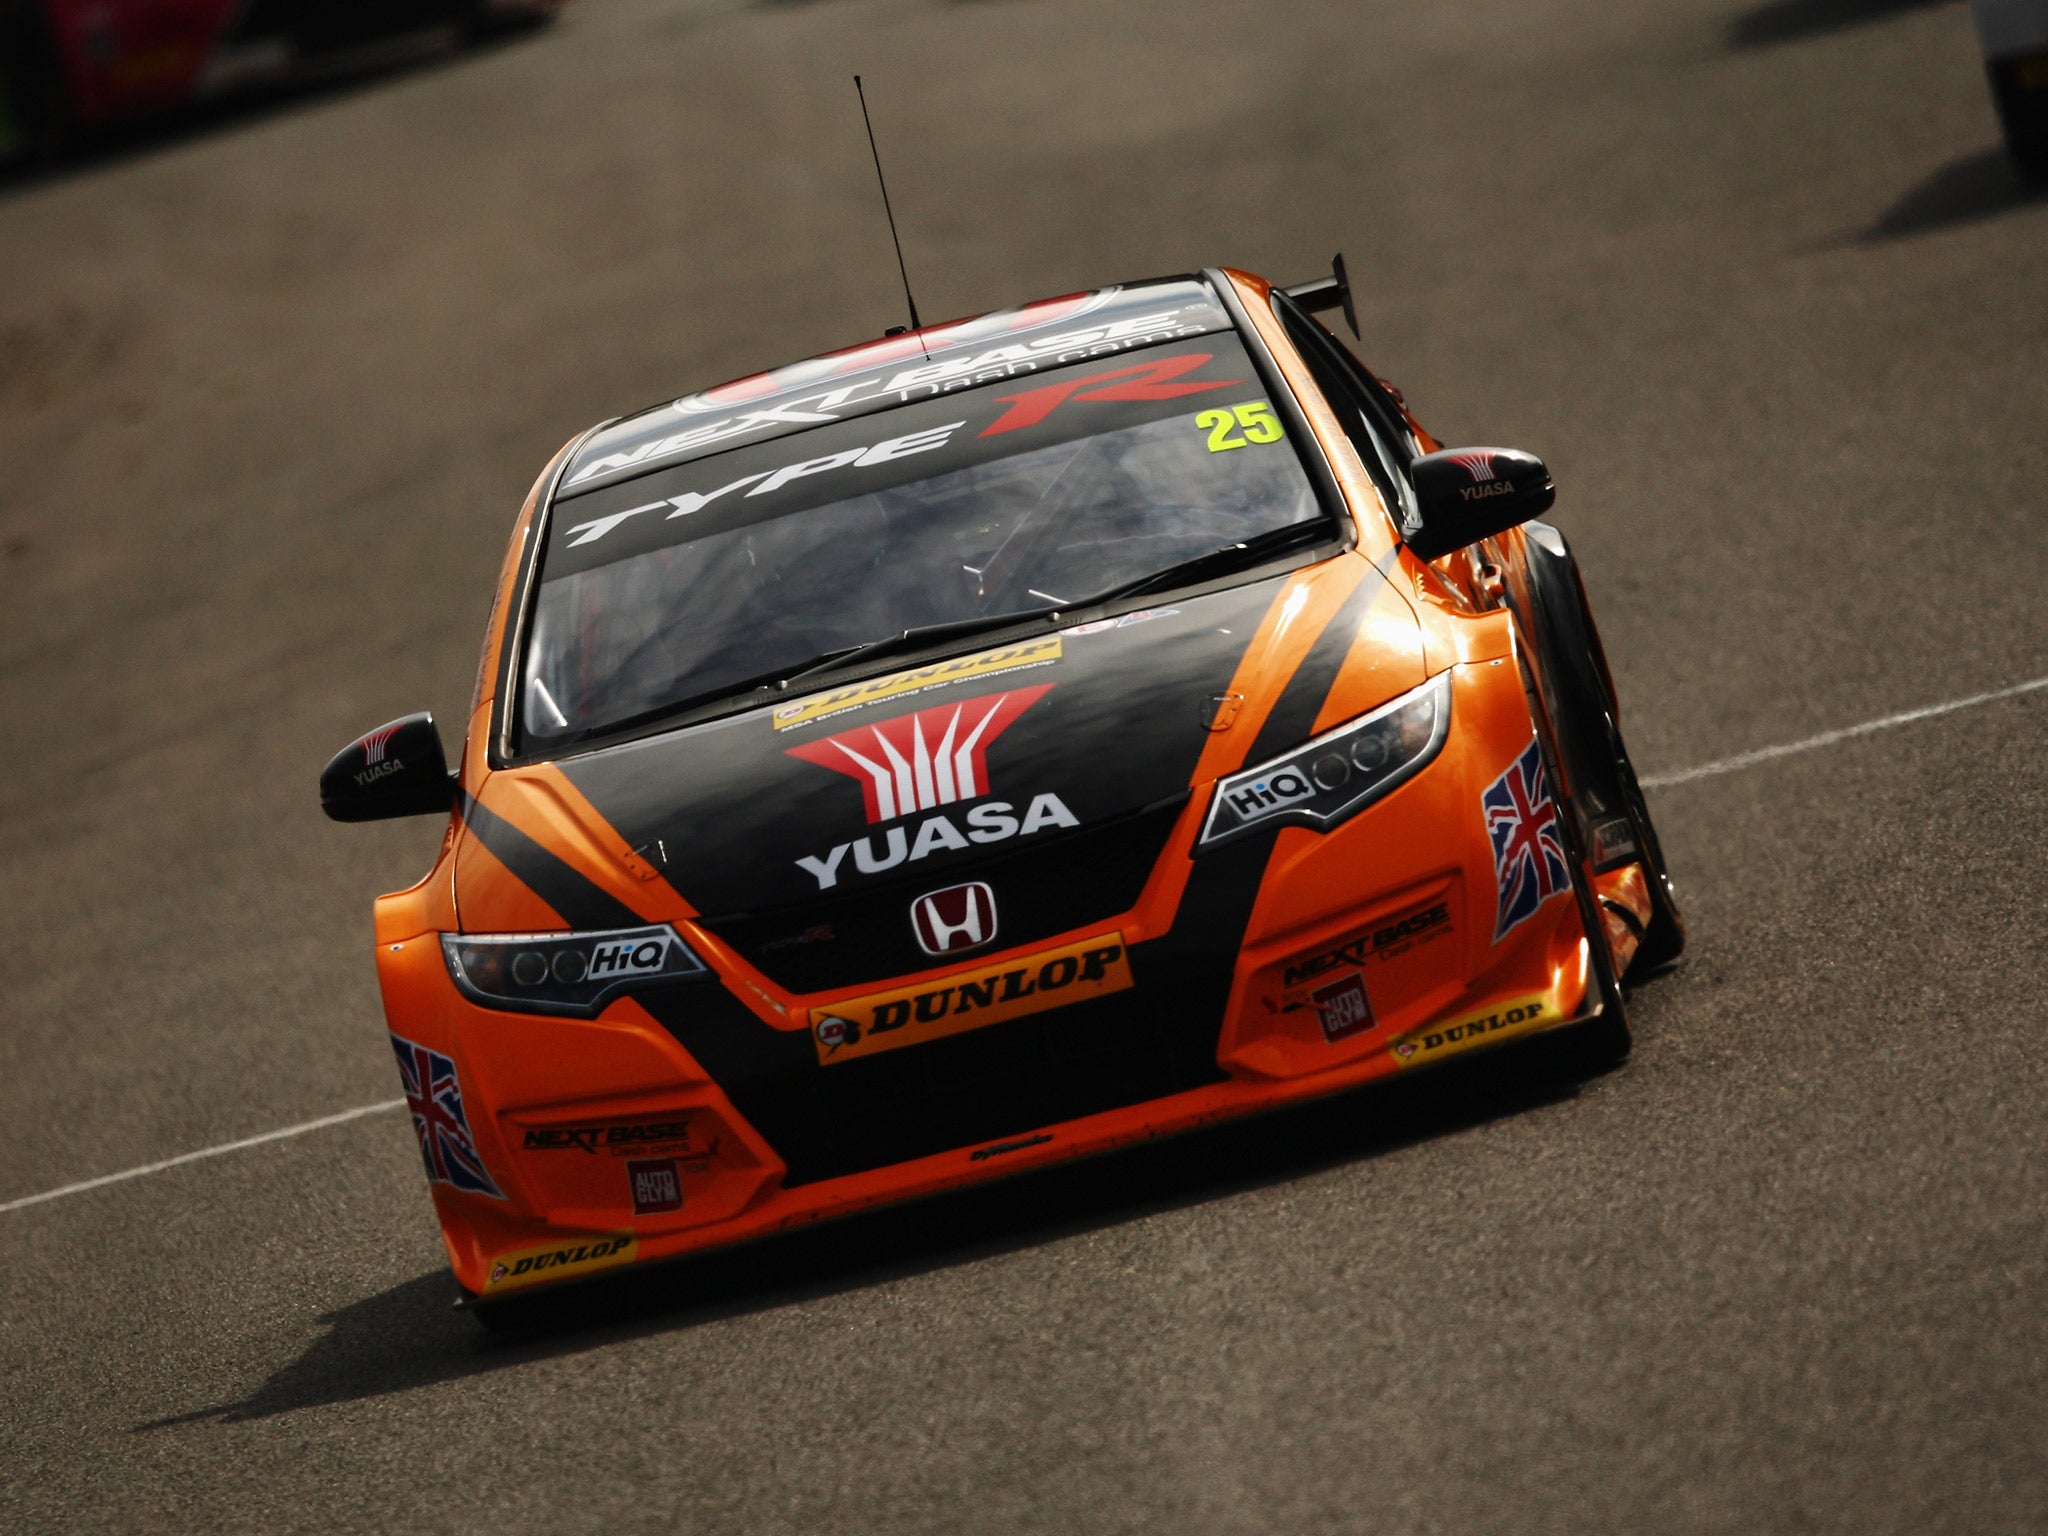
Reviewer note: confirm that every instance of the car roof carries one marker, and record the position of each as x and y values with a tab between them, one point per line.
892	371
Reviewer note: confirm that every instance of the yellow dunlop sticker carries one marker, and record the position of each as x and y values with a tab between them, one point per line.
1007	989
1510	1016
558	1261
873	690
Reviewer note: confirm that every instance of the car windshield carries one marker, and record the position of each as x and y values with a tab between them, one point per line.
1029	494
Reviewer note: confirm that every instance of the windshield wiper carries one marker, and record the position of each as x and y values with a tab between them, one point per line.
910	639
1217	562
1247	552
780	679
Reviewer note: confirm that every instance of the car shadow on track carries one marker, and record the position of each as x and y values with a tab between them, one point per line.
1790	21
410	1336
1979	186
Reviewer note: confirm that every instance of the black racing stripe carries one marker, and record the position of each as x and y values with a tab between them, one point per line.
582	904
1294	717
1188	970
1007	1079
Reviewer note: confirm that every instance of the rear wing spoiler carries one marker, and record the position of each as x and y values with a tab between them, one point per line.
1324	293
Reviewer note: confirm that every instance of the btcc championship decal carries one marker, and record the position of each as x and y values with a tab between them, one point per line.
434	1095
1528	846
1006	989
1513	1016
558	1261
920	762
960	669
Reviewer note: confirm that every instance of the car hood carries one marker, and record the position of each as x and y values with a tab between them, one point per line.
1053	769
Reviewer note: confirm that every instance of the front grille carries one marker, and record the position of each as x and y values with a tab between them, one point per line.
1050	885
1157	1039
978	1087
961	1091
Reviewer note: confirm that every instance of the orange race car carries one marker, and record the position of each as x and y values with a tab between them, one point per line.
983	747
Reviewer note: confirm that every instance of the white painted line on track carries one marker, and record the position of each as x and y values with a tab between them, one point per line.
1829	738
192	1157
1658	781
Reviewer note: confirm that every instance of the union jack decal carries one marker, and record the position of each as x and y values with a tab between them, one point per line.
1528	851
434	1096
1478	464
375	743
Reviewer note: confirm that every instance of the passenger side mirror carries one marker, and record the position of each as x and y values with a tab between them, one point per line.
397	770
1468	494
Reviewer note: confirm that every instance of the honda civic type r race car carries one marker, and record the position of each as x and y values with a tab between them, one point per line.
983	747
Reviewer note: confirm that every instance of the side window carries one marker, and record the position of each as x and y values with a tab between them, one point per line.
1374	426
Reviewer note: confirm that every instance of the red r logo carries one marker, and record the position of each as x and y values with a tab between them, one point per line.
1148	381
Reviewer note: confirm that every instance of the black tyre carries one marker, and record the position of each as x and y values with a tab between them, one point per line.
1609	814
1664	940
1603	1042
2020	87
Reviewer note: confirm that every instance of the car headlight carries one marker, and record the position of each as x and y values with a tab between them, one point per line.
1339	773
573	973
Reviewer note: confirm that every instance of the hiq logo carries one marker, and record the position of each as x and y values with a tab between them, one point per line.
627	957
1262	796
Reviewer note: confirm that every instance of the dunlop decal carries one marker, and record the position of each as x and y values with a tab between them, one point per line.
1501	1020
558	1261
1008	658
989	994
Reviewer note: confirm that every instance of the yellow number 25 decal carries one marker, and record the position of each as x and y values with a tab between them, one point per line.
1256	418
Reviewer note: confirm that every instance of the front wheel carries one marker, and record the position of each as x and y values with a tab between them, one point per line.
1664	939
1604	1041
2020	87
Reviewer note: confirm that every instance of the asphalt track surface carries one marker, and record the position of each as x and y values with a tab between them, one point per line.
1757	284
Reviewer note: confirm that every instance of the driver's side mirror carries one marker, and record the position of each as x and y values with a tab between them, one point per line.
1469	494
397	770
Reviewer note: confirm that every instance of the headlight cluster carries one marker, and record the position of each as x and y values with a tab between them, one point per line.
573	973
1337	774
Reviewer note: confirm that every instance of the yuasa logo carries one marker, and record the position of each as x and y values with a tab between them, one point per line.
370	775
375	743
1262	797
920	762
959	917
1477	463
993	821
627	957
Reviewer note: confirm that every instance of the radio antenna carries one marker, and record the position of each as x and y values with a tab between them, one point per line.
898	243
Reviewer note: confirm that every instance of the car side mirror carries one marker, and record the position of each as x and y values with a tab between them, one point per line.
1468	494
397	770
